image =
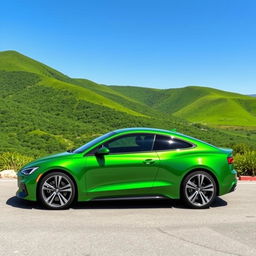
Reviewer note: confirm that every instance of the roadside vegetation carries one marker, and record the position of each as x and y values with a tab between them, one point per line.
245	160
13	161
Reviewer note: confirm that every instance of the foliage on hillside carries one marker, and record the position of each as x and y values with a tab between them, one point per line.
120	98
44	111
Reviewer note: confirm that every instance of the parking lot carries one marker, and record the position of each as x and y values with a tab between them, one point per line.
148	227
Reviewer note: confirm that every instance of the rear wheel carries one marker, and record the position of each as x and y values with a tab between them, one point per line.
199	189
56	191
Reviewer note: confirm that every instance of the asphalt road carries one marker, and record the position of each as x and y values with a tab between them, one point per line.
155	227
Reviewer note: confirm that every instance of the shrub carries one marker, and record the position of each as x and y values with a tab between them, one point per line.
245	163
13	161
241	148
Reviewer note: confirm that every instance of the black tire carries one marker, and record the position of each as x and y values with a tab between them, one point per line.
198	190
56	191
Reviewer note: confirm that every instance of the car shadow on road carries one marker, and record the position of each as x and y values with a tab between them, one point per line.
116	204
141	204
23	204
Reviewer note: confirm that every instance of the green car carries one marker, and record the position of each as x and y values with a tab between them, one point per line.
131	163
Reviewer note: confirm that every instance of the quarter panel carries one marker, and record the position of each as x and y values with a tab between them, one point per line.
175	165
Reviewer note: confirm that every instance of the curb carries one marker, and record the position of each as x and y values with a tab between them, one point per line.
11	174
247	178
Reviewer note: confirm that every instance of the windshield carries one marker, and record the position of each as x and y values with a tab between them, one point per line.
93	142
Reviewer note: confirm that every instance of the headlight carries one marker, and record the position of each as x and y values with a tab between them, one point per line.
29	170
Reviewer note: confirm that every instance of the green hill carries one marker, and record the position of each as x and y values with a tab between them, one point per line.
120	98
11	61
14	61
44	111
198	104
93	92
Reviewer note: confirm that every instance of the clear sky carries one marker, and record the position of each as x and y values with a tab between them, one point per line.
152	43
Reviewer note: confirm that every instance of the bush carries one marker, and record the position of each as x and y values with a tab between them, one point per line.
245	163
241	148
13	161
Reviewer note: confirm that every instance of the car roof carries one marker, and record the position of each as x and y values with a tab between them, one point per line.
144	129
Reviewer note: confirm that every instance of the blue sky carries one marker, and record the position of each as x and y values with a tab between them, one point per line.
161	44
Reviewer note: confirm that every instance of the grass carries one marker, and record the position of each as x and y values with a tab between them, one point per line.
217	110
15	61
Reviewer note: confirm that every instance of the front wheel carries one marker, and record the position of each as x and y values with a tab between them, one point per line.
199	190
56	191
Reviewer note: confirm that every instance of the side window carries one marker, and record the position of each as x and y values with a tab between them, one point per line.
165	143
131	143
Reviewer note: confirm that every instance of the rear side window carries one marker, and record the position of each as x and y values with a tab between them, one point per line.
165	143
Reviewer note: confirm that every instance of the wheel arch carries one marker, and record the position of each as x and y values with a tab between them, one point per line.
57	170
201	169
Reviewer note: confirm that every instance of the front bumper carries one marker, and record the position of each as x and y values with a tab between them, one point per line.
22	190
26	187
233	188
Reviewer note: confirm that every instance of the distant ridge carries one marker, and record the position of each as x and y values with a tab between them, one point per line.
198	104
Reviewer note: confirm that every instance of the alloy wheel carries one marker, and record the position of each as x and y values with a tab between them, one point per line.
200	190
57	191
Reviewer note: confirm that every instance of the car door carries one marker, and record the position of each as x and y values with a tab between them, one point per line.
129	168
172	154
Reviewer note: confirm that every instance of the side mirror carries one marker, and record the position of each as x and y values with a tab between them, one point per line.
102	151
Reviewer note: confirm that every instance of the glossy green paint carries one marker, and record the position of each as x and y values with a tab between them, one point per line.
133	174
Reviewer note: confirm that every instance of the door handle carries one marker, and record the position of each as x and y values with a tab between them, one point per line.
149	161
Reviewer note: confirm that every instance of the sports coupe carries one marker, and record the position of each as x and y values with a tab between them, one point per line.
131	163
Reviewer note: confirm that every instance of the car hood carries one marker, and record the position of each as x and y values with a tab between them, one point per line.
63	154
50	157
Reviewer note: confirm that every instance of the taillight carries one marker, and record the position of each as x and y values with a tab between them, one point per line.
230	160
